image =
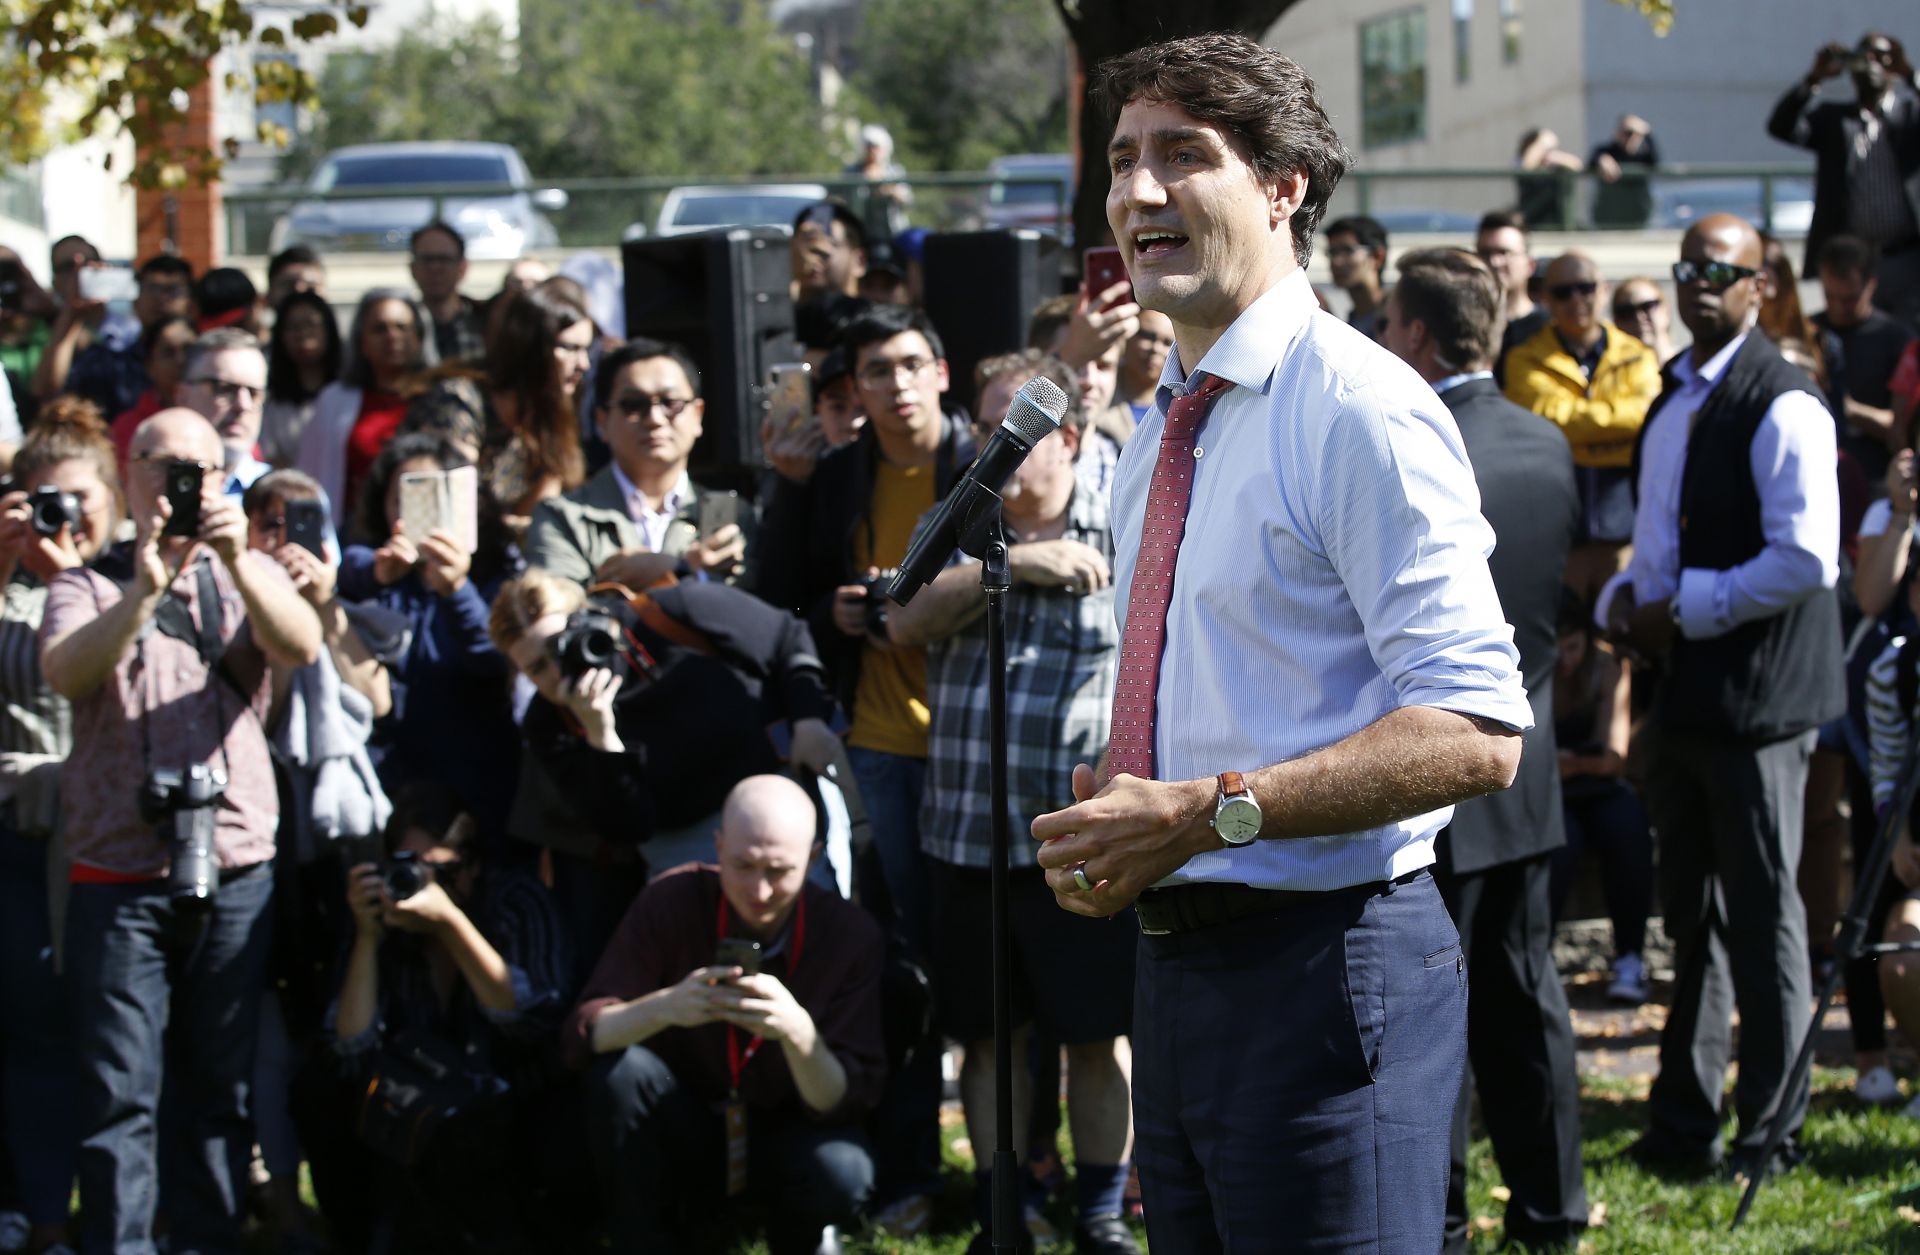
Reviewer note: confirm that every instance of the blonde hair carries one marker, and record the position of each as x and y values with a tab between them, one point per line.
523	602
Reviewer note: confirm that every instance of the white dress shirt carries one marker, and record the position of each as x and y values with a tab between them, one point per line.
1334	568
1792	458
651	522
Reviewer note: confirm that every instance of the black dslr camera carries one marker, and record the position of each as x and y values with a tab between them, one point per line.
405	875
591	639
180	805
50	510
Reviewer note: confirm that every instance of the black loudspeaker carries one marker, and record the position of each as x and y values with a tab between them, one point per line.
723	296
981	288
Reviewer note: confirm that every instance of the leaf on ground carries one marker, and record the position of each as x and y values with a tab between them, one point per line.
1843	1223
1597	1216
1500	1193
1485	1224
1907	1213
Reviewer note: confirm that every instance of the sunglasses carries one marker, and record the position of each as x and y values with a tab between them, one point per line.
1639	309
1717	274
634	405
1567	291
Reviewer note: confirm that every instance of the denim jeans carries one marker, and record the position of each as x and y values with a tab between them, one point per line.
906	1126
135	962
34	1039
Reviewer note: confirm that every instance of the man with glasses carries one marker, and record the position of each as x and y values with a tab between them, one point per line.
1735	548
1867	150
225	382
1595	382
112	371
1504	242
825	545
1357	258
439	266
166	650
639	518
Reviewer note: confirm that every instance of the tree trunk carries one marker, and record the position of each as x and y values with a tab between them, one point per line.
1106	28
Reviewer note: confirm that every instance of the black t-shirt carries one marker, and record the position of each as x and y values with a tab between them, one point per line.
1860	364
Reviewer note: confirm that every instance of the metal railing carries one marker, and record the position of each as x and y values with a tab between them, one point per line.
600	212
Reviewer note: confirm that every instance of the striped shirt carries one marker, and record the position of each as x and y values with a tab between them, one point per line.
33	718
1061	651
1889	724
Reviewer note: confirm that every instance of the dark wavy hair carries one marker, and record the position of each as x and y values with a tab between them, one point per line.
521	364
283	374
1260	99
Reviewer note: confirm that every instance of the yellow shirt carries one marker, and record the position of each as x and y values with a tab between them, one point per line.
890	702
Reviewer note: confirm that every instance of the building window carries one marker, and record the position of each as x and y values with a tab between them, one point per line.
1393	78
1510	31
1462	40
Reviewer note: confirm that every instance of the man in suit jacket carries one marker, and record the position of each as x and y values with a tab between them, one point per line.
639	518
1867	177
1443	319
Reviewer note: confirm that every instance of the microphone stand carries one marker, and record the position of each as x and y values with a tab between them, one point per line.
981	535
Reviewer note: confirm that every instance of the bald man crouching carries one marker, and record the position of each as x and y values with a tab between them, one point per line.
711	1079
165	652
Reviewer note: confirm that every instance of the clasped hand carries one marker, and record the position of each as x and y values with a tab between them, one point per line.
1129	835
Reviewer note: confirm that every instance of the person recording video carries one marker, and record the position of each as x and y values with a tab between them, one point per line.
463	962
651	709
169	815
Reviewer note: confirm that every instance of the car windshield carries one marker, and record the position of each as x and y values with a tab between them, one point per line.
1042	193
414	169
738	211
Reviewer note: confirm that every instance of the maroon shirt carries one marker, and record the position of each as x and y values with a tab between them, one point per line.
671	929
177	710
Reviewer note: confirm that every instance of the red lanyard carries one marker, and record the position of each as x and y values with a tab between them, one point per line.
738	1059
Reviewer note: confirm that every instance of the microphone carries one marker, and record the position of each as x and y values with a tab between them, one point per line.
1034	415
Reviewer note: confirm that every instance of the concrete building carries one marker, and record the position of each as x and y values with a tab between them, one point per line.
1415	84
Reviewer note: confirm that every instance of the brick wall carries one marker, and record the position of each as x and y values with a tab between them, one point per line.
186	221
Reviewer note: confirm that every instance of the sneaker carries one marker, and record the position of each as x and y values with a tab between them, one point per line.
909	1217
15	1231
1912	1109
1877	1087
1629	980
1104	1235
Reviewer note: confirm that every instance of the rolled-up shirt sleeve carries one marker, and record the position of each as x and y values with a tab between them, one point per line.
1792	458
1399	517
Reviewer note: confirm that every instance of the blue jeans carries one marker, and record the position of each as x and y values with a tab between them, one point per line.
135	961
906	1126
34	1039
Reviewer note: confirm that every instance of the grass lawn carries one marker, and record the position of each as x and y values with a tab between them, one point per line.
1859	1189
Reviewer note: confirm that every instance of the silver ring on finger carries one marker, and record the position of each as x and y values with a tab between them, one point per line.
1080	878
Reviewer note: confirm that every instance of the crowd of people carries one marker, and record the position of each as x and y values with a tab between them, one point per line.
409	770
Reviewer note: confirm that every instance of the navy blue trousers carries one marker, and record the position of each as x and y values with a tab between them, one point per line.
1295	1074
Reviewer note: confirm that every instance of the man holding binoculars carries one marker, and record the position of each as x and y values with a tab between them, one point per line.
170	809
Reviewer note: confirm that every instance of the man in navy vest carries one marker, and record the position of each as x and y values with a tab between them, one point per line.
1735	550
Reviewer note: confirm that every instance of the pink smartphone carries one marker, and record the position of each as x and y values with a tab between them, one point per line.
1103	268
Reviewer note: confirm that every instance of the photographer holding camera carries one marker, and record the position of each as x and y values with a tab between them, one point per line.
169	812
734	1035
451	992
653	708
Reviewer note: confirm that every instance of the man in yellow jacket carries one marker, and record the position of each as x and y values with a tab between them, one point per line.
1595	382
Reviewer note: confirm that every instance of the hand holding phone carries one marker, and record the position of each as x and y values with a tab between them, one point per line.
738	952
307	527
108	284
1104	268
182	486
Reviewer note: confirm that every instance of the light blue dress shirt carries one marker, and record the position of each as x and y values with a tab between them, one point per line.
1334	568
1792	459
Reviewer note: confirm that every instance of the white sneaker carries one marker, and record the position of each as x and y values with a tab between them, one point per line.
1629	980
1877	1087
1912	1109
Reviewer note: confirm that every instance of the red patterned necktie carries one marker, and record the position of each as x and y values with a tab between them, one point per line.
1130	748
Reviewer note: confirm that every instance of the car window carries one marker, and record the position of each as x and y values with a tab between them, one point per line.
728	211
1045	193
416	168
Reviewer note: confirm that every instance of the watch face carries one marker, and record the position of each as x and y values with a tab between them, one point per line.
1238	821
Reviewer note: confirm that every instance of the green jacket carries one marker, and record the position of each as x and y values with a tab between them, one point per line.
572	534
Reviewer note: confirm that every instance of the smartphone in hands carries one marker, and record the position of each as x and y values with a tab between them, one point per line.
1103	268
182	490
738	952
307	527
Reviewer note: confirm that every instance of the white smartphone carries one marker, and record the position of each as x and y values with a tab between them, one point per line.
448	501
108	283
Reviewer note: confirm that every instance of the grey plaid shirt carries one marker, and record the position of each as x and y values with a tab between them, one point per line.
1061	653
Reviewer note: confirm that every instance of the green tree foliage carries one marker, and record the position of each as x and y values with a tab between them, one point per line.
72	68
960	82
593	87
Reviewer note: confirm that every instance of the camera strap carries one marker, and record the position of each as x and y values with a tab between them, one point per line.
172	618
734	1110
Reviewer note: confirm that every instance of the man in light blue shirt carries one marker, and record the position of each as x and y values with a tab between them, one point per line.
1336	674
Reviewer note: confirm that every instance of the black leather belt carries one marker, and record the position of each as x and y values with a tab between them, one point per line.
1184	908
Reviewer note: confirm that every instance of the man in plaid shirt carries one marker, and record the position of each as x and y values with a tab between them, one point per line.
1072	975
